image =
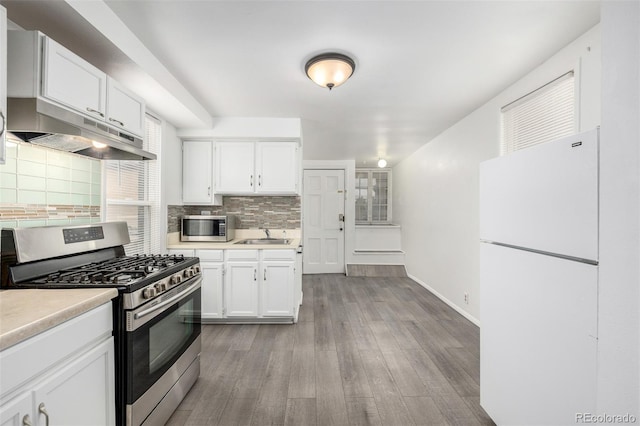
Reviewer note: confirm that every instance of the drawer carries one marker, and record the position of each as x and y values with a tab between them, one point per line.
41	352
279	255
210	255
242	255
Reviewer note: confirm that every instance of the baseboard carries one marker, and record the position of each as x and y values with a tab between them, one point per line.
377	251
445	300
375	270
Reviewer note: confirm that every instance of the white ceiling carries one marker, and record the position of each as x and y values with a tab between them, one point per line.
420	65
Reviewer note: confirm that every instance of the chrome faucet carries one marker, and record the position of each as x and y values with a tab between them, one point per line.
266	231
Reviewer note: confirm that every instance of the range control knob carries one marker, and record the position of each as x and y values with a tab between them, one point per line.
161	287
176	279
188	273
196	269
148	293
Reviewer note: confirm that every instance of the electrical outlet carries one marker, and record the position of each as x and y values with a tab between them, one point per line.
466	298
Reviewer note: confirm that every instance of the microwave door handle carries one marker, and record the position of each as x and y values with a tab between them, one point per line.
193	287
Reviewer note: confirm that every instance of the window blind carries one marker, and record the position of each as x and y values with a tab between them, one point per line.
132	191
543	115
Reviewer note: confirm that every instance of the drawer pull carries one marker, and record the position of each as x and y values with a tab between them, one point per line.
113	120
43	410
95	111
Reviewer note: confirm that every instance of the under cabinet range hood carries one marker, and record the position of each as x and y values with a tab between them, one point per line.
42	123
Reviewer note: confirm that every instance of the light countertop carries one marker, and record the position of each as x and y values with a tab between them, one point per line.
27	312
173	241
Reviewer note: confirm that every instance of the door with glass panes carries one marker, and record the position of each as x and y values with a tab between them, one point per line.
373	196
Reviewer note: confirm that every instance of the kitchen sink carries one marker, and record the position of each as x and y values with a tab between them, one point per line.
280	241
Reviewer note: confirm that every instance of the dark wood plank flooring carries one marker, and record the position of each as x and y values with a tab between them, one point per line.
366	351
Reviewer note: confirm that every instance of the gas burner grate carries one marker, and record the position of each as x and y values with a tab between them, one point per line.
120	270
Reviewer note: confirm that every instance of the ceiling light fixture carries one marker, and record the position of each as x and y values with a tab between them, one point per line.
382	163
330	69
98	145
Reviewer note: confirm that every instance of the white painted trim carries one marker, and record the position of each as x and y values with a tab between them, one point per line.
379	251
445	300
376	264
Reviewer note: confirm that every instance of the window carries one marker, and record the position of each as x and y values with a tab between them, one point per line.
373	195
543	115
132	191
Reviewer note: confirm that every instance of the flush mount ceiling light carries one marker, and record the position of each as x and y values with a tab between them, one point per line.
330	69
382	163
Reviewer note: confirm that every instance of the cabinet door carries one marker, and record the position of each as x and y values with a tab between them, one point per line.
18	411
72	81
3	83
241	289
235	168
196	172
277	167
82	393
277	289
124	109
211	289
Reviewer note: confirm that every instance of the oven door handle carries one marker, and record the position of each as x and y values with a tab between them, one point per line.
193	287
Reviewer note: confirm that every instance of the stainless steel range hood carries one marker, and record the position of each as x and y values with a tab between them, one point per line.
42	123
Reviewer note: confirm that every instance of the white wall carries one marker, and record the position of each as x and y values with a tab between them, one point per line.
171	172
435	190
619	280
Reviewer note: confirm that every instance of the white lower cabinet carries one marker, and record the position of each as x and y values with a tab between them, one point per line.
251	285
64	376
277	284
212	267
241	283
276	289
241	289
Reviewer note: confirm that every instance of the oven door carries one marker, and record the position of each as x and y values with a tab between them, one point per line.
158	336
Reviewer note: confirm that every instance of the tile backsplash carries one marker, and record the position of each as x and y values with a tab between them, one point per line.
40	186
250	212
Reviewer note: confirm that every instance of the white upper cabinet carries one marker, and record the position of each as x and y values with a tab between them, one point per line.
277	167
197	173
235	173
72	81
124	109
257	168
40	67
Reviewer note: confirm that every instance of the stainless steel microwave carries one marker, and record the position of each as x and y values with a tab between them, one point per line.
207	228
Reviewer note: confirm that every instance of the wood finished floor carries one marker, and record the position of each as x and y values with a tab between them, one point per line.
365	351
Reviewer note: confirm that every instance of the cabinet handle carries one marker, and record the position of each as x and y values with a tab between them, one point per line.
116	121
251	180
255	275
265	274
26	420
2	129
259	180
43	410
95	111
208	191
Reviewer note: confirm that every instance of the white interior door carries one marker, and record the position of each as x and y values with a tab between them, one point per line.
323	211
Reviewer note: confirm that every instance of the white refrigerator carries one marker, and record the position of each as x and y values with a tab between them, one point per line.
539	282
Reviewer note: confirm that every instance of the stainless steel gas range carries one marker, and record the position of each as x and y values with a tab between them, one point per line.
156	315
